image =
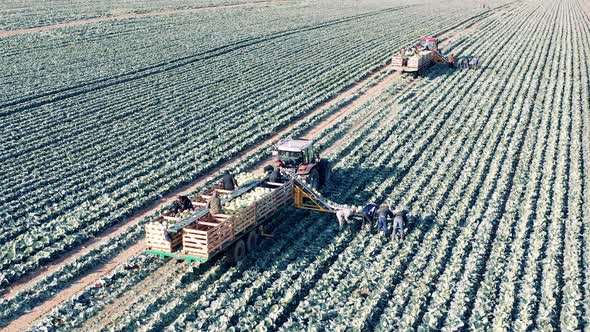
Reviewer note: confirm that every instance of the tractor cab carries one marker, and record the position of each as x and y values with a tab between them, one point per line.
292	153
299	157
429	43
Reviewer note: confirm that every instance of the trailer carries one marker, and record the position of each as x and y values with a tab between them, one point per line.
202	235
419	58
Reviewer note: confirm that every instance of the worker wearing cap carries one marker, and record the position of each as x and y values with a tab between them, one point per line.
344	215
383	213
229	181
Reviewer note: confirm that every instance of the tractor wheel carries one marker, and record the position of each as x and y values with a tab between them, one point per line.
325	172
252	241
314	178
236	252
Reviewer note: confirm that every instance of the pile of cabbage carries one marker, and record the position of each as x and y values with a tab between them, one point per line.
245	200
247	177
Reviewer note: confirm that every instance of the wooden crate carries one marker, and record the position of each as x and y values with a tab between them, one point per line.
265	206
207	237
283	195
245	219
154	238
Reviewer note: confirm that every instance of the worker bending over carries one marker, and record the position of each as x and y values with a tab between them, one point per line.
344	215
181	204
214	203
229	181
368	216
383	213
399	222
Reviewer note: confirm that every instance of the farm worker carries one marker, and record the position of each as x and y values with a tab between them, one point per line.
451	61
214	203
229	181
399	222
383	213
344	215
368	215
275	176
184	203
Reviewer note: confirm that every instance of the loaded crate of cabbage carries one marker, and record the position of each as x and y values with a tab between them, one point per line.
203	235
154	233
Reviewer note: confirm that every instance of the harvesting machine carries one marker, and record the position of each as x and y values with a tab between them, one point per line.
419	58
202	235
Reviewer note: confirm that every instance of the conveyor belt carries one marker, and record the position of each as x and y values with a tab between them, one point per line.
320	200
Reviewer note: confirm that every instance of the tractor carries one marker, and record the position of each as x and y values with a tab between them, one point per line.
300	157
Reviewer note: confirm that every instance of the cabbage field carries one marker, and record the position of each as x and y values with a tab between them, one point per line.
102	120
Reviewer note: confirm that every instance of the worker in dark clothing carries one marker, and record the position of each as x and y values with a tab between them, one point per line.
275	176
214	203
368	215
383	213
181	204
229	181
185	203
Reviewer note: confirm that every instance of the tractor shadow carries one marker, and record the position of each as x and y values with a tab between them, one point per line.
356	185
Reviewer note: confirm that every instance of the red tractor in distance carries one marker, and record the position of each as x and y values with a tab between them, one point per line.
300	157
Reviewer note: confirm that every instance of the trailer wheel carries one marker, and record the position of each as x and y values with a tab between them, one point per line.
236	252
252	241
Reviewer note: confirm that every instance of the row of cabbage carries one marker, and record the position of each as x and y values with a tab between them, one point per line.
57	281
149	152
175	290
23	14
491	167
